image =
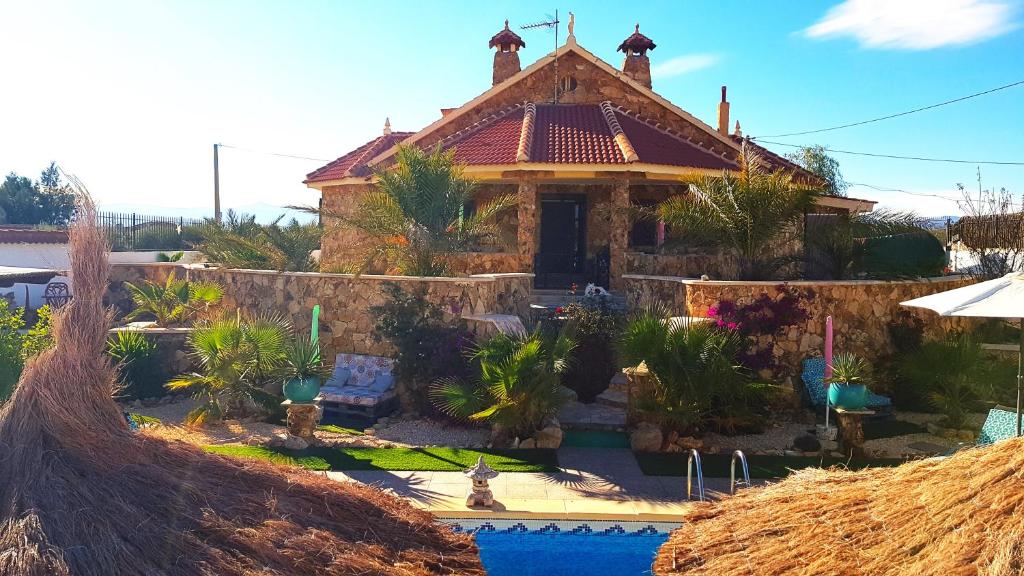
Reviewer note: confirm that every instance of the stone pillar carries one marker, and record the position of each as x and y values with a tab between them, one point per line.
618	241
527	233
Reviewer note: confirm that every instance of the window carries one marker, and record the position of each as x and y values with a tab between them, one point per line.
644	232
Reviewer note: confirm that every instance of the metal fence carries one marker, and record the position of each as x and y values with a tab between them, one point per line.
130	231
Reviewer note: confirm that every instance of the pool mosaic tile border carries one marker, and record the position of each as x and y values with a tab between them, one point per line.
551	527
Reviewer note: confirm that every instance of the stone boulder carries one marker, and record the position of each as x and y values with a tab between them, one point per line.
690	443
549	437
646	437
806	443
528	444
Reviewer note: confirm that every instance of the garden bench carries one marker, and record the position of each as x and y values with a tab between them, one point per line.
813	378
360	385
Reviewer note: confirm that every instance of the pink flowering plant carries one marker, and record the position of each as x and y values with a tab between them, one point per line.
763	316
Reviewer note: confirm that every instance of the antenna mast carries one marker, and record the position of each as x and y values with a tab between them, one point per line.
549	24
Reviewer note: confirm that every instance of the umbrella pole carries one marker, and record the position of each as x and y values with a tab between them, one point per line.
1020	372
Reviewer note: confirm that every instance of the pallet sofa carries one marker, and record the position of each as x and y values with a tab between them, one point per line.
361	386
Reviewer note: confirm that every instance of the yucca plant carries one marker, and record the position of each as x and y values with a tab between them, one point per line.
138	365
302	359
848	368
173	301
751	213
519	382
237	356
414	218
698	375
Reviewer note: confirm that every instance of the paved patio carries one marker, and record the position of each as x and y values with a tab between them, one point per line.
594	484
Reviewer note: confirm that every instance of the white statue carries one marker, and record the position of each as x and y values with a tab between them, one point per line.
595	290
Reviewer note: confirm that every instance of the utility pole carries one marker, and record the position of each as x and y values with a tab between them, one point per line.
216	184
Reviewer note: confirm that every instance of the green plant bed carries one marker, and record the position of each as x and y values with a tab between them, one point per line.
407	459
594	439
874	430
762	467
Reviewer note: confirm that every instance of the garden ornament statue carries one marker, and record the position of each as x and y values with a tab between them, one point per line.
595	290
480	493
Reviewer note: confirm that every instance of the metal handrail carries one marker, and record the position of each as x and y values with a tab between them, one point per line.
732	471
694	457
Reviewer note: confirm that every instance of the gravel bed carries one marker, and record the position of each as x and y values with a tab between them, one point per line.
898	446
433	433
774	439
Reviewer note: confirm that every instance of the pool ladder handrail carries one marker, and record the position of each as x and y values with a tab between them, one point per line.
745	482
694	457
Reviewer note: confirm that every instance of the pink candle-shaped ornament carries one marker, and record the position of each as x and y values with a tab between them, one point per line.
828	349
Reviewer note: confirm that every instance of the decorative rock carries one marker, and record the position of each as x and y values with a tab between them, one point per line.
673	448
646	438
806	443
528	444
549	437
690	443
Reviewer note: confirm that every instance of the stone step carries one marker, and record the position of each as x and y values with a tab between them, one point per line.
614	398
619	383
579	416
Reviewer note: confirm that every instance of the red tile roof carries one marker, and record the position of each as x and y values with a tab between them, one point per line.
573	134
637	42
773	160
654	146
506	38
495	142
354	163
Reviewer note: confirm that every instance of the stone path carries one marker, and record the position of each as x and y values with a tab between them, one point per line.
580	416
594	484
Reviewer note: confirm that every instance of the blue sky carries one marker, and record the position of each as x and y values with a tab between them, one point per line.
130	96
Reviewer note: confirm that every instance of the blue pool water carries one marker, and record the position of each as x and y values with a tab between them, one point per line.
577	549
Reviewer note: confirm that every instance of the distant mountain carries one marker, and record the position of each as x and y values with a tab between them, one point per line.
939	221
265	213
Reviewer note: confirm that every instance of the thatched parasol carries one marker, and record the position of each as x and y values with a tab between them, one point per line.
959	515
80	494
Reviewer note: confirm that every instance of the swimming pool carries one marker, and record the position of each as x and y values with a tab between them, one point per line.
566	548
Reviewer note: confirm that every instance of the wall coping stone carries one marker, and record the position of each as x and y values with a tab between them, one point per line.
374	277
809	283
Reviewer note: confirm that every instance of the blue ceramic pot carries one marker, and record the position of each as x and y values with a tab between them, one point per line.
848	396
301	390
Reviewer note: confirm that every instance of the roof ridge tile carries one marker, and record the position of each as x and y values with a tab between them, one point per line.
621	140
526	133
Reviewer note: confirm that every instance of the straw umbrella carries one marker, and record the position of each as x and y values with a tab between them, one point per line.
999	298
80	494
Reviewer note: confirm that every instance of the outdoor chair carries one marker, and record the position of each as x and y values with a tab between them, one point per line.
361	386
814	382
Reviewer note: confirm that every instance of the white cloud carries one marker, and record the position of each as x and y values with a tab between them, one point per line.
915	24
683	64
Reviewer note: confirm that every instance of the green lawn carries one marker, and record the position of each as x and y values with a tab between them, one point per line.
415	459
764	467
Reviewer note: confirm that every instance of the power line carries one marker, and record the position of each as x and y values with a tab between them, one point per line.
862	122
274	153
894	156
881	189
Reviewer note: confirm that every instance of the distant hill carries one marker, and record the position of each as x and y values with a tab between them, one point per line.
265	213
933	222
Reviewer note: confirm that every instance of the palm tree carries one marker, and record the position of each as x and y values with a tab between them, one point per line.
415	217
237	356
173	301
240	242
752	213
519	384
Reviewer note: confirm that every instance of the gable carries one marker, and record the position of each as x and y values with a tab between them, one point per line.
596	82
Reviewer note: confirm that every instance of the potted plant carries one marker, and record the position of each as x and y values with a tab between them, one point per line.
848	384
303	371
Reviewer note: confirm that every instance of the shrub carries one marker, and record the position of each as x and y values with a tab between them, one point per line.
953	376
518	385
157	236
594	327
763	316
39	336
171	257
699	381
11	321
909	255
238	357
140	368
426	347
174	301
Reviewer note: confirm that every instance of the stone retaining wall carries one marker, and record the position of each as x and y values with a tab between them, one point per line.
485	262
861	310
680	265
345	321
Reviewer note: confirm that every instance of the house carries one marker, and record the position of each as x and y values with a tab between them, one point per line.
579	142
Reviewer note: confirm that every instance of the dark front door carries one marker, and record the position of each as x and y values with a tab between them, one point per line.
562	258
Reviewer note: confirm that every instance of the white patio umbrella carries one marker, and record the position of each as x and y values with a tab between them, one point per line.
999	298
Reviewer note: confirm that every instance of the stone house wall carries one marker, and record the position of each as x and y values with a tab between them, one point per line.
861	310
345	321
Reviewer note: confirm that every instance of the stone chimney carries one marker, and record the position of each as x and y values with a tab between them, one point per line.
636	65
506	59
723	115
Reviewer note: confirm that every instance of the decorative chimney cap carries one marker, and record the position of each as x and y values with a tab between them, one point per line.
506	38
637	43
387	126
481	471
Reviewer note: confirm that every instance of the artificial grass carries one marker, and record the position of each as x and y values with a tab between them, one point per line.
876	429
595	439
434	459
763	467
335	429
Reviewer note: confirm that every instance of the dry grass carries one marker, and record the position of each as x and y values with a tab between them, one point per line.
963	515
80	494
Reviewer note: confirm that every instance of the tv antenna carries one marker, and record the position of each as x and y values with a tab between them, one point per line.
550	24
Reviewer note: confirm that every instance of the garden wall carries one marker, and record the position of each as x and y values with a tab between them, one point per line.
861	310
345	320
680	265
